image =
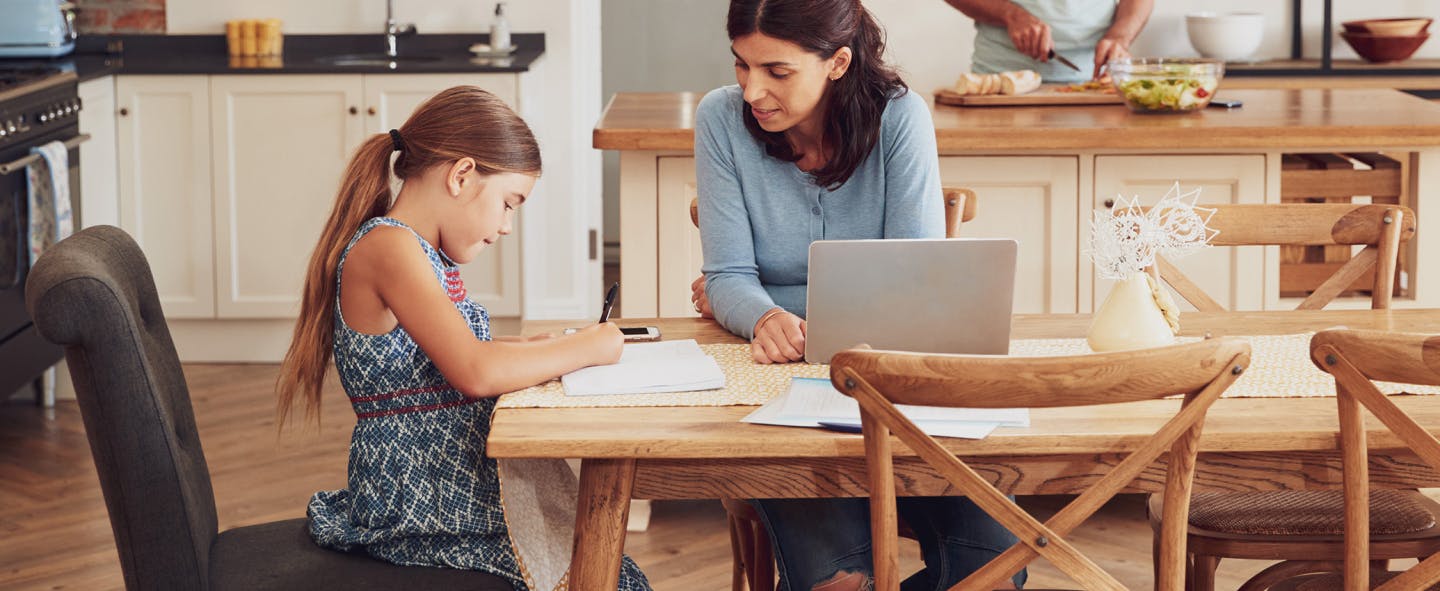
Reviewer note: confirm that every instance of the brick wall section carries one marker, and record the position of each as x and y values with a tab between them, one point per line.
120	16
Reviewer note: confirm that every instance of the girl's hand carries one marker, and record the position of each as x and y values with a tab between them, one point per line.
542	337
779	338
604	343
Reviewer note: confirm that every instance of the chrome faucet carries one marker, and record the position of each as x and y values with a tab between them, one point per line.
394	29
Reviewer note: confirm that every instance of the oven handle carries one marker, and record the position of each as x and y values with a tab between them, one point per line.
16	165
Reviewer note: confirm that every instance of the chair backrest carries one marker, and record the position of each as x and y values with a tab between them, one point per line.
1354	358
879	380
93	294
959	207
1380	228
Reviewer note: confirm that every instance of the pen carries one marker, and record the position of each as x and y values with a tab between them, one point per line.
609	302
841	426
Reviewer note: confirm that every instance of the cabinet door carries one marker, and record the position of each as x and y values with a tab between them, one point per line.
100	185
680	256
1034	200
163	139
493	278
1233	276
281	144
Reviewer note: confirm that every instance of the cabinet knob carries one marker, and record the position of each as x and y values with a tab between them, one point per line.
1109	203
354	110
124	112
371	111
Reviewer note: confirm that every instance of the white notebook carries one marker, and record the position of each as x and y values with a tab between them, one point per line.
648	368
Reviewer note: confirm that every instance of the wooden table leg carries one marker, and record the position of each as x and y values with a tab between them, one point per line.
604	505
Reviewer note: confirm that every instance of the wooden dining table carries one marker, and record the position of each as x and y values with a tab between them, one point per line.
697	452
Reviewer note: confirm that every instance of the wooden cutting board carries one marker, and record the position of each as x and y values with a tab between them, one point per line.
1047	94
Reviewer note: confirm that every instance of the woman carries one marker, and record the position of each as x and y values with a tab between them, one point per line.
819	140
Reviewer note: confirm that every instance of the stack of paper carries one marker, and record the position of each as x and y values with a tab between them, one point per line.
648	368
813	401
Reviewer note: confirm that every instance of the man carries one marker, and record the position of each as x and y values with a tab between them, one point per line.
1019	34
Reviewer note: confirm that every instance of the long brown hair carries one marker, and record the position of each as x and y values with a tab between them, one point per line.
460	122
858	99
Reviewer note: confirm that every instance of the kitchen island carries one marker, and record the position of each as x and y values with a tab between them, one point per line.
1040	172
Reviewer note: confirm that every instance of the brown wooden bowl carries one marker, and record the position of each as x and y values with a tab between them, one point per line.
1382	48
1391	27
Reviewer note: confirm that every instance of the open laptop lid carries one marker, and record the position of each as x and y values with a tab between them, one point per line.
930	296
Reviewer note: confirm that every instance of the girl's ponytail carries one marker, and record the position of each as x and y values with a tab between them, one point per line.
364	193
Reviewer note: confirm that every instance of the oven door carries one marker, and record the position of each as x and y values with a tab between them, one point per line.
23	354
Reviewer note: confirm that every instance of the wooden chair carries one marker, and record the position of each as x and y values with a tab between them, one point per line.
1267	525
879	380
1354	358
754	561
1380	228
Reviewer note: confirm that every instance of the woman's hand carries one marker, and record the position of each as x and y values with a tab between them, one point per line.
603	343
698	299
1109	48
779	338
520	339
1030	35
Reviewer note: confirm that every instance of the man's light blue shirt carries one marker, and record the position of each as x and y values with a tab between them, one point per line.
758	214
1075	27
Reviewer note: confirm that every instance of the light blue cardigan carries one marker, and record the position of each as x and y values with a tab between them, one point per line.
758	215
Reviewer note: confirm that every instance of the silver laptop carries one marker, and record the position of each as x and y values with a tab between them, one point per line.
929	296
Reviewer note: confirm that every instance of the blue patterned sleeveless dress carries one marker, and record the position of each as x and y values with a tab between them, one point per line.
421	490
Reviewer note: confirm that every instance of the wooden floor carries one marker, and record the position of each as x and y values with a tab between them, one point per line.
54	532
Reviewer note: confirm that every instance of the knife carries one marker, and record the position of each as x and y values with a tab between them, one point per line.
1064	62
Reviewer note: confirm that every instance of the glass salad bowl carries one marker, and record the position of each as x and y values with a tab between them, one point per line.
1166	85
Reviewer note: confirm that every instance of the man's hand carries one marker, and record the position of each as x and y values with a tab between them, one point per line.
1107	49
779	338
1030	35
699	300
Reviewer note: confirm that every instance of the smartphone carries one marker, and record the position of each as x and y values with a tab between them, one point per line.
633	334
1227	103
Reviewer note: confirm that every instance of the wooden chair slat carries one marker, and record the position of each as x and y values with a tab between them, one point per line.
1187	288
1331	288
1038	382
1407	358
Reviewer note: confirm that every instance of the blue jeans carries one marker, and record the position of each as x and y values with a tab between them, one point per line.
816	538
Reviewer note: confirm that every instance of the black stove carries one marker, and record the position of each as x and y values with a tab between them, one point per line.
37	105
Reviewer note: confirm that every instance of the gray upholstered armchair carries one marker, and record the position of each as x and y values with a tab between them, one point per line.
93	294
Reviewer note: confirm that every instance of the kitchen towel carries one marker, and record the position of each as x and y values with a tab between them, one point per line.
49	194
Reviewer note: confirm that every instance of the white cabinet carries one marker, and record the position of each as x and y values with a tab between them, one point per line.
1033	199
163	151
279	147
493	278
226	181
99	183
1233	276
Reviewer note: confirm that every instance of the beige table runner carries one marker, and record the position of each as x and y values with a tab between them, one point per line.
1280	367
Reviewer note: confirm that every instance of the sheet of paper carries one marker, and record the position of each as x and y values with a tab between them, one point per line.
818	400
647	368
784	411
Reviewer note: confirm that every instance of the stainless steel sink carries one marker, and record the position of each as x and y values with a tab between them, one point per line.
375	59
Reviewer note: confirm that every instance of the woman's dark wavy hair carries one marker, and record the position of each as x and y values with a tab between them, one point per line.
857	99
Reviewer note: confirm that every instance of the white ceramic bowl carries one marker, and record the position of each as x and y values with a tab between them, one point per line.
1231	37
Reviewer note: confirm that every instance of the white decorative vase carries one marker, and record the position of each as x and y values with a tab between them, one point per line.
1137	314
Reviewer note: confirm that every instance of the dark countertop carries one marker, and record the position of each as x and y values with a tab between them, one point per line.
103	55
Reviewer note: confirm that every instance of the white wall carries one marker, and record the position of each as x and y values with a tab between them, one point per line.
569	104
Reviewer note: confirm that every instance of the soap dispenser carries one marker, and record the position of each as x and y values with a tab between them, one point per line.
499	30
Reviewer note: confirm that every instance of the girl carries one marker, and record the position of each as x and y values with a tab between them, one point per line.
820	140
384	295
